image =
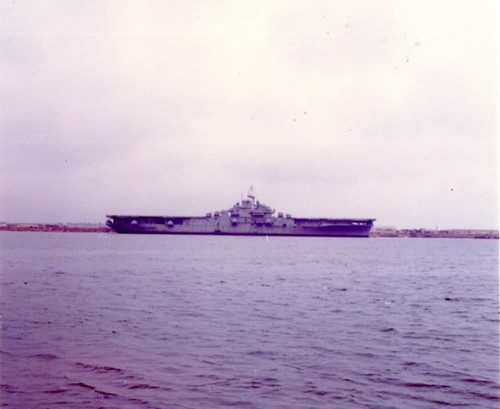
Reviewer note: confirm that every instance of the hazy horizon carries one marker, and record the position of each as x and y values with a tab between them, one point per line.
360	109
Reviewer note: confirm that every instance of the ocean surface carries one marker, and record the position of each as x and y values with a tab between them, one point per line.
124	321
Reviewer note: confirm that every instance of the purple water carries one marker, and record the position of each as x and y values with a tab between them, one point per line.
118	321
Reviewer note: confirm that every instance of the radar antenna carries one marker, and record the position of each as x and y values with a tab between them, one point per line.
251	194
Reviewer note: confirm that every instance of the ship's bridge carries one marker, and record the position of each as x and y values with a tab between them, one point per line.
250	208
261	209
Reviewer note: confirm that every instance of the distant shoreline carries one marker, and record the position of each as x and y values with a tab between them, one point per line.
376	231
56	227
437	234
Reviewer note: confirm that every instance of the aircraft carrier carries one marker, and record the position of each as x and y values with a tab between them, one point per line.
248	217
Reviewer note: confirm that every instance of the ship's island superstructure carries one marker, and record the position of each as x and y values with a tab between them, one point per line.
248	217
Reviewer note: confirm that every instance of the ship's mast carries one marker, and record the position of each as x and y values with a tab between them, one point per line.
250	194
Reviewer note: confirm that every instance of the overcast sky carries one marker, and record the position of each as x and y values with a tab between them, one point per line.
383	109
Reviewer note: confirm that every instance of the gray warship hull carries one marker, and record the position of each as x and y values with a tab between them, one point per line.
246	218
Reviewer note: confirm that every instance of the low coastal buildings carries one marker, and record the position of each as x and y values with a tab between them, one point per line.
59	227
427	233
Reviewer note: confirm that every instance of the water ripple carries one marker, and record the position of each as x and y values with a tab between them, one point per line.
183	322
